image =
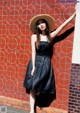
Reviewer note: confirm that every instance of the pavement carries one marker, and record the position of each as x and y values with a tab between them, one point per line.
7	109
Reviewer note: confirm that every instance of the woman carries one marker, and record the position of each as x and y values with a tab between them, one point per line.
39	77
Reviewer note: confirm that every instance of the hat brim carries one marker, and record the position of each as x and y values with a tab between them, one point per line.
46	17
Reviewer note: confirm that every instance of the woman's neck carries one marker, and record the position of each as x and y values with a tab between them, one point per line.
43	33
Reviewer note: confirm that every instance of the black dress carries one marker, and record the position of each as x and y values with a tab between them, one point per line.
43	78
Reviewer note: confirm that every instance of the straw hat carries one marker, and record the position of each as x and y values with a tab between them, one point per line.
46	17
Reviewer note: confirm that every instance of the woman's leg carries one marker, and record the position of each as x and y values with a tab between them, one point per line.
32	101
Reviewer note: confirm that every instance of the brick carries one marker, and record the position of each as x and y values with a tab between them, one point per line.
71	97
77	111
71	103
77	104
72	91
78	95
70	109
71	85
74	95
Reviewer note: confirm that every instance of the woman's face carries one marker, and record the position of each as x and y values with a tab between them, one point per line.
41	25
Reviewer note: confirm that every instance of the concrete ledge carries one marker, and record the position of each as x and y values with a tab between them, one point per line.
24	105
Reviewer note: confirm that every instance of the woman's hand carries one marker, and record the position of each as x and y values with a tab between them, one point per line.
32	72
55	33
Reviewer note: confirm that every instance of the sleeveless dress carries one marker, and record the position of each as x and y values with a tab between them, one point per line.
43	78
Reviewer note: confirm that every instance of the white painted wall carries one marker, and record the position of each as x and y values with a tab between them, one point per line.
76	42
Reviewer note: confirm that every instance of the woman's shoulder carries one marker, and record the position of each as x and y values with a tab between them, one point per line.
33	37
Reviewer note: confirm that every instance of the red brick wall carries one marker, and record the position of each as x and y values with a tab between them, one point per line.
15	47
74	95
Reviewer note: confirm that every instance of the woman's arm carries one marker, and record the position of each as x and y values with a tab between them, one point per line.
54	33
33	53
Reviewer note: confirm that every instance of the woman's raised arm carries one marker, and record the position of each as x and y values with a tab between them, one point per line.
54	33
